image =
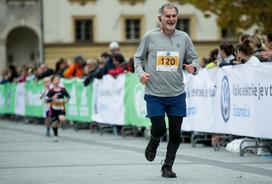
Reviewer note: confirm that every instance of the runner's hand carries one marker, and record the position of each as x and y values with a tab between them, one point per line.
144	78
189	68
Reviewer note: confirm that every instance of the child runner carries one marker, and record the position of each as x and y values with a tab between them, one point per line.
57	96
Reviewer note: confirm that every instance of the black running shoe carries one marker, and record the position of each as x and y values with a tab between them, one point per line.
167	172
151	149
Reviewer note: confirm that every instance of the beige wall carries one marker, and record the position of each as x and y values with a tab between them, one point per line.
109	16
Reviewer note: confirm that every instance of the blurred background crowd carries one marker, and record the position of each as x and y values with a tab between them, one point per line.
249	49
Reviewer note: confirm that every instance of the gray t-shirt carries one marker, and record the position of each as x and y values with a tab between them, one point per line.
154	44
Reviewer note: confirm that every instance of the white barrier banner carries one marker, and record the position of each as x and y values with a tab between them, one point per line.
108	100
200	100
263	126
231	99
19	105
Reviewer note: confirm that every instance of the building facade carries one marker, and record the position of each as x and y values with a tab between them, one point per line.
87	26
20	32
36	31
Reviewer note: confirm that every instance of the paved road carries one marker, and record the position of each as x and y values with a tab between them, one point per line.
27	157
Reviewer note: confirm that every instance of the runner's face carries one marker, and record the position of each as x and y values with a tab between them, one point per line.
56	81
169	19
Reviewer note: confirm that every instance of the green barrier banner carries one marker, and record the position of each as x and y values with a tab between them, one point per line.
71	107
3	105
10	93
111	100
84	98
79	105
135	105
34	106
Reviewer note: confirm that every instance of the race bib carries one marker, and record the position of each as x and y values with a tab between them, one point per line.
58	104
167	61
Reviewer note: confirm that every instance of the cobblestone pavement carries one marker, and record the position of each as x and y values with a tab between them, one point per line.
28	157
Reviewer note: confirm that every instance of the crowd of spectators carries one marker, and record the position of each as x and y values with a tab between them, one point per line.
250	49
112	63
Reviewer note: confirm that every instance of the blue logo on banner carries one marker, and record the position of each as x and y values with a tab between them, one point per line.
168	54
225	99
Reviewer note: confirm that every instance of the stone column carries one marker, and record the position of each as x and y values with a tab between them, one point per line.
3	55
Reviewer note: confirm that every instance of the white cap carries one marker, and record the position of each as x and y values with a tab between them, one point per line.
114	45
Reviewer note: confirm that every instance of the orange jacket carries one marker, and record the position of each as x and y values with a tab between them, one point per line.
74	71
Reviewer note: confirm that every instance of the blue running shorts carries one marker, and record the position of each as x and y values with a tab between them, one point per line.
172	106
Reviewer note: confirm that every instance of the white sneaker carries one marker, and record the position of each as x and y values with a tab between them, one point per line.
55	139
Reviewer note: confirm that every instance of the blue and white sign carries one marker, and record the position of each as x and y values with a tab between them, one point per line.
231	100
225	99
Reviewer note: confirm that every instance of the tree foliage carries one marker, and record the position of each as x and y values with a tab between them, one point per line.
237	13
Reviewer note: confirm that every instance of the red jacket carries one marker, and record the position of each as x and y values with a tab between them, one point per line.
116	71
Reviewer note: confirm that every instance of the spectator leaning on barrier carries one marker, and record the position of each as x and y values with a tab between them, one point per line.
90	70
22	74
268	43
119	67
13	74
212	60
114	49
104	57
102	62
203	62
44	71
158	64
61	66
245	52
76	69
5	76
90	66
256	44
31	74
226	50
98	71
243	37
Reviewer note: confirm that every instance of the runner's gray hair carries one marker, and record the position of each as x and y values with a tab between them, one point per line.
168	5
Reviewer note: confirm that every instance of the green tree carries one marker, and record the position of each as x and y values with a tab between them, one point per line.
237	13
